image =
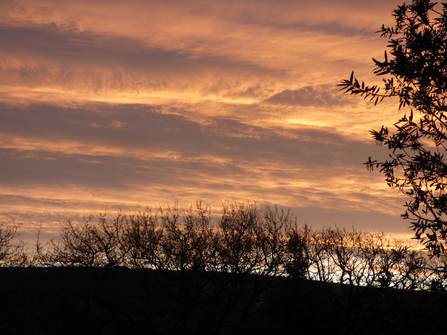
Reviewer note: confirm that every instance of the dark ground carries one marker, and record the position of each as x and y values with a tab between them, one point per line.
123	301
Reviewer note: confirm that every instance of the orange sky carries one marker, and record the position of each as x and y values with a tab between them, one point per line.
141	103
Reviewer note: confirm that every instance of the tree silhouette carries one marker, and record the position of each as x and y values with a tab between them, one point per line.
243	270
11	250
415	70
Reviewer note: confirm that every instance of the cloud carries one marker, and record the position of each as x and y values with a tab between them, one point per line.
288	36
144	102
323	96
172	165
39	61
81	148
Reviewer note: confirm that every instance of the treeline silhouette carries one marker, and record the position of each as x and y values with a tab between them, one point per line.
248	270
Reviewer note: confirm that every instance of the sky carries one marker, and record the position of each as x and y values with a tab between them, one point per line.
109	105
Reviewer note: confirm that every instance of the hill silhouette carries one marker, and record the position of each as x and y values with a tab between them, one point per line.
80	300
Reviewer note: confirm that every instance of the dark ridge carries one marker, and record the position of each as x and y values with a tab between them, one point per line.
82	300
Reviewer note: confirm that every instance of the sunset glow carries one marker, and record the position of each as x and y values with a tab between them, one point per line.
124	105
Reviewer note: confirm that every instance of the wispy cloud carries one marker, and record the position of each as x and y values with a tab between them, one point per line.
323	96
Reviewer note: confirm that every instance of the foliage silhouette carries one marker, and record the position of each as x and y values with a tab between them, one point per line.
416	73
